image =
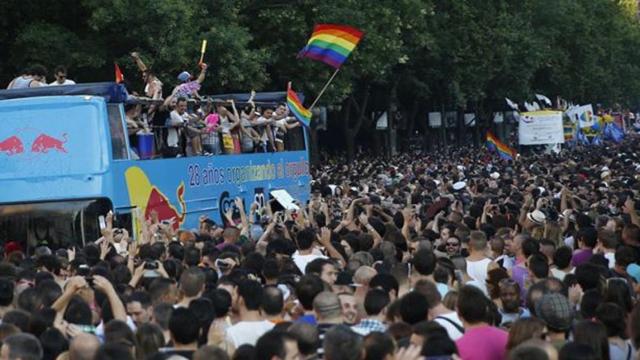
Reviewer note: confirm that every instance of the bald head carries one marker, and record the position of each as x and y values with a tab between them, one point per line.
83	347
364	275
327	306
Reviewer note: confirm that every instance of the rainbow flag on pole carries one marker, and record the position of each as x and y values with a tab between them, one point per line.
504	151
331	44
302	114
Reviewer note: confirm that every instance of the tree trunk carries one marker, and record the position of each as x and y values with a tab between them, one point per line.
462	127
392	129
348	137
351	132
351	145
314	151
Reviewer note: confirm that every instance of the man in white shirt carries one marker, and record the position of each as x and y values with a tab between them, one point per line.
252	325
263	127
477	261
61	77
607	244
305	253
177	118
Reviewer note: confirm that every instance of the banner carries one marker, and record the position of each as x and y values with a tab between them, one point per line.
435	119
588	127
470	119
383	122
582	115
541	127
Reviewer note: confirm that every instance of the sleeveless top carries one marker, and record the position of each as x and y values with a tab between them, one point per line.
21	82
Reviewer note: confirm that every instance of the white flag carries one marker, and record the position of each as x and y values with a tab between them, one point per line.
511	104
528	107
543	98
535	106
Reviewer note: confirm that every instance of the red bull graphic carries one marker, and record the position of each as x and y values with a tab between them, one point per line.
148	198
160	204
43	143
12	146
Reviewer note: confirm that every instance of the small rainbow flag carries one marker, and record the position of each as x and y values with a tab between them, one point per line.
302	114
331	43
504	151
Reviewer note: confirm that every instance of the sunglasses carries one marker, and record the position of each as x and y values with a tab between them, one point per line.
452	244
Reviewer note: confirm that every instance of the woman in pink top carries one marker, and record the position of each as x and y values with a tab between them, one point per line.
211	137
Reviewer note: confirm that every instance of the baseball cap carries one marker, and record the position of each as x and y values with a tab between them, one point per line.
184	76
556	311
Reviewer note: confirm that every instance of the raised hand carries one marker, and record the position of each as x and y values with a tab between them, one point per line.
104	248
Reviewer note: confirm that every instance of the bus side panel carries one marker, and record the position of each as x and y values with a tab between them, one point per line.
183	189
52	148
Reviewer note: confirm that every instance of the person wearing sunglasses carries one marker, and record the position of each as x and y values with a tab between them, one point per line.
452	246
61	77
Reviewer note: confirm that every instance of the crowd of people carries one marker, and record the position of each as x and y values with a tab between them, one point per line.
188	124
442	255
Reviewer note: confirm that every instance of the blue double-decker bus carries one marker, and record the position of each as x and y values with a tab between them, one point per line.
65	160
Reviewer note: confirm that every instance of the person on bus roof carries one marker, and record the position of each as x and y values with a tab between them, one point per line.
60	74
177	119
189	88
32	77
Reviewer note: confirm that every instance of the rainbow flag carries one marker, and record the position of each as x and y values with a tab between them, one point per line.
302	114
331	44
504	151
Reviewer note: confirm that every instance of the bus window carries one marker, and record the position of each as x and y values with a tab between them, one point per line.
118	141
59	224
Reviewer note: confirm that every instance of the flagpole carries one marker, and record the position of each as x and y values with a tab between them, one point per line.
323	89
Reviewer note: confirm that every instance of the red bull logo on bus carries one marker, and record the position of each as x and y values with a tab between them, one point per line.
43	143
12	146
148	198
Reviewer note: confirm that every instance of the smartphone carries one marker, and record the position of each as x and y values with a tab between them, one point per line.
103	224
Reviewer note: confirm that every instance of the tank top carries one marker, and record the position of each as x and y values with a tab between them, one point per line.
21	82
